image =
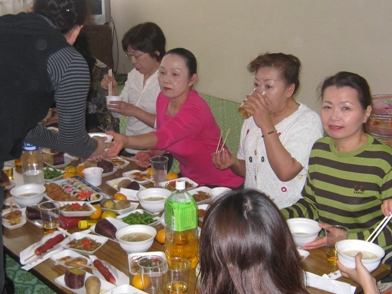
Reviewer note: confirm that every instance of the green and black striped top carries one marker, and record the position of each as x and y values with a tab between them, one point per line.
347	188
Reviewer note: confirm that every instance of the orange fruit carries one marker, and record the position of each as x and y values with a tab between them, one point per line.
79	170
68	175
160	237
171	176
149	171
119	196
97	213
70	169
108	213
141	282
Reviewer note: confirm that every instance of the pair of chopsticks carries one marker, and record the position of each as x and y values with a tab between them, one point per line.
110	88
379	228
224	141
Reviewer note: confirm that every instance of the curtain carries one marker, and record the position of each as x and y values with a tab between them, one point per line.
14	6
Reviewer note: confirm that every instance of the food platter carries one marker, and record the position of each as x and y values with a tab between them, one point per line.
132	206
71	213
78	189
18	225
67	160
138	176
141	211
80	236
200	191
118	162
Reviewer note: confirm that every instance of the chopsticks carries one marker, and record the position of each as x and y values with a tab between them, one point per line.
110	88
224	141
379	228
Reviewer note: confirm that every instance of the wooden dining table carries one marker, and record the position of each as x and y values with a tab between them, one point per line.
17	240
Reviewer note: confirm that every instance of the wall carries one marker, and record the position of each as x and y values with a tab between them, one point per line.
225	35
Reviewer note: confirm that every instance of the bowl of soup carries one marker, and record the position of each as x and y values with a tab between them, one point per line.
153	199
303	230
371	253
136	238
28	194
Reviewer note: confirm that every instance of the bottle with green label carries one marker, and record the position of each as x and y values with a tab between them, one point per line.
181	225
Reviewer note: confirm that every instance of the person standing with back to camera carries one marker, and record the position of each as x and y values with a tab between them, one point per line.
39	66
276	140
144	45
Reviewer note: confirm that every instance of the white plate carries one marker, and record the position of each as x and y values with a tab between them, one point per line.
114	183
133	257
84	182
105	286
110	173
29	251
131	207
124	164
57	178
120	277
131	175
13	184
156	218
77	213
68	252
115	222
303	253
78	236
194	184
202	189
6	222
67	160
126	289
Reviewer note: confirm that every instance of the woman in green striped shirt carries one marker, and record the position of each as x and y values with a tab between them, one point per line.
350	172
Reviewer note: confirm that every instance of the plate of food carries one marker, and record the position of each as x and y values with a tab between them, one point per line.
73	189
105	270
171	185
118	162
84	243
76	209
153	256
138	176
11	184
201	195
69	258
13	218
108	227
52	174
124	182
139	217
104	288
118	206
201	211
56	159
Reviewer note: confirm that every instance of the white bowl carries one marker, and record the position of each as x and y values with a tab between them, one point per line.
219	191
303	230
136	246
109	138
33	194
347	249
153	199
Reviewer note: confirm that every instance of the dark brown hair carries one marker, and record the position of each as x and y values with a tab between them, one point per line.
246	247
288	65
352	80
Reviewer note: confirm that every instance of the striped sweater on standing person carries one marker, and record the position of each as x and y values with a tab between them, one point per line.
347	188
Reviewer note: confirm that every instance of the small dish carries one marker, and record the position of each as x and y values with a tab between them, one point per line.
78	236
155	218
74	213
115	222
138	176
57	258
205	191
13	184
67	160
105	285
22	220
56	178
131	207
134	257
171	185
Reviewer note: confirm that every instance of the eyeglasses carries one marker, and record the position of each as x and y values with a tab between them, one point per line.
132	56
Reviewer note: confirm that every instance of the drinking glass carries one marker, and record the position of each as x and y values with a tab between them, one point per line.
334	234
159	168
50	213
241	110
177	277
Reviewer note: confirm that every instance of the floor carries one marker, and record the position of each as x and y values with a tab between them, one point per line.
25	282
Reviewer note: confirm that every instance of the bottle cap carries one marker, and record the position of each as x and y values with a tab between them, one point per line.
29	147
180	185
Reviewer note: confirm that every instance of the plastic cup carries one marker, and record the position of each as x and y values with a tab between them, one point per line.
8	169
93	175
241	110
152	274
334	234
50	213
113	98
159	168
177	276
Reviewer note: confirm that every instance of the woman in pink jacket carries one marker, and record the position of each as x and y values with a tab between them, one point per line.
185	125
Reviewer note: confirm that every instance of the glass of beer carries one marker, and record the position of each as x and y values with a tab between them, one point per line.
241	110
334	234
8	169
50	213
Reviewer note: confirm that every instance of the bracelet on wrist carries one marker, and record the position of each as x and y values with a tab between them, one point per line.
269	133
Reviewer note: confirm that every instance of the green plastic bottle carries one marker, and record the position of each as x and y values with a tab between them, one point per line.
181	225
